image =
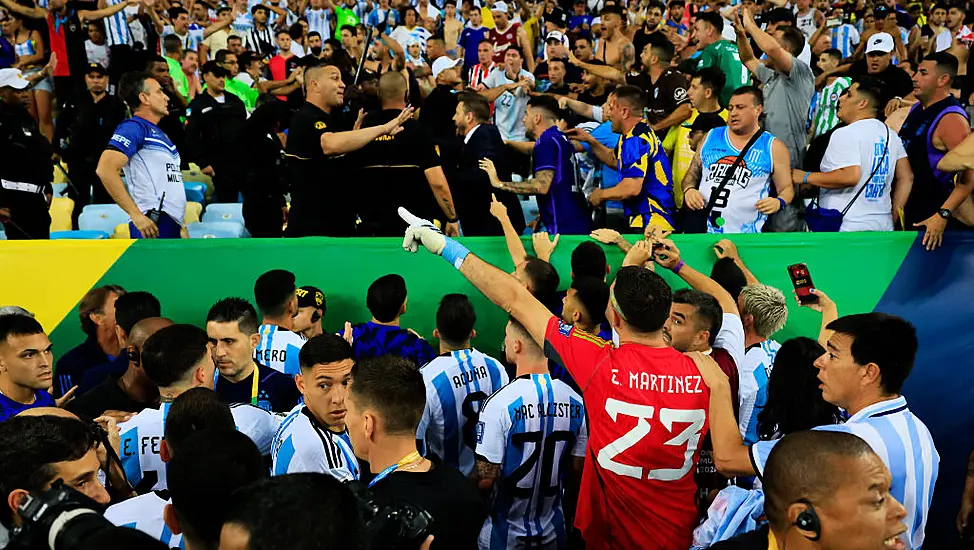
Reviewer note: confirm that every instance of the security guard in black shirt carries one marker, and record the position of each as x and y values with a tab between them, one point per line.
216	122
82	132
27	171
320	190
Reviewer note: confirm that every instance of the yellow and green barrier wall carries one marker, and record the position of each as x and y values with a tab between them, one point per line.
862	272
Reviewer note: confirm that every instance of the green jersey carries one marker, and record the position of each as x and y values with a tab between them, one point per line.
723	55
344	16
826	111
246	94
176	72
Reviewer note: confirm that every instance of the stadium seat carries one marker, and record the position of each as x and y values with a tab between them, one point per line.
83	234
3	234
195	191
195	174
102	217
193	211
59	175
223	212
61	209
59	188
216	230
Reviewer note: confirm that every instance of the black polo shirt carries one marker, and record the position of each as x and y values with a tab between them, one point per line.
663	96
898	82
393	168
320	192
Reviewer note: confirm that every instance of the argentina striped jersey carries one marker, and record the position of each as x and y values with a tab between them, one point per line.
303	444
906	447
144	513
457	384
754	373
279	349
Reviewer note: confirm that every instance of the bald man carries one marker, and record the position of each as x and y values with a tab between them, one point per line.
130	392
400	169
825	491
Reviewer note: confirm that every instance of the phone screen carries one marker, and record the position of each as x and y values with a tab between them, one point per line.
803	283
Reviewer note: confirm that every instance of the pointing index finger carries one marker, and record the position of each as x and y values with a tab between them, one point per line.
408	217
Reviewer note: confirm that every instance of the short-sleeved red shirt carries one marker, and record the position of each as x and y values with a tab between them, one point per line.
647	412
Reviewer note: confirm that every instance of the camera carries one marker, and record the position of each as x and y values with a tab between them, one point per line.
58	519
399	525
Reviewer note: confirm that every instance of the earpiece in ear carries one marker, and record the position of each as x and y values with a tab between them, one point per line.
808	521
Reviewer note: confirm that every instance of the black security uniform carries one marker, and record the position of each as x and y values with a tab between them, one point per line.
265	182
25	182
320	189
213	134
392	170
82	132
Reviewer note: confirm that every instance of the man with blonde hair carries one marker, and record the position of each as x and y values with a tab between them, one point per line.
763	313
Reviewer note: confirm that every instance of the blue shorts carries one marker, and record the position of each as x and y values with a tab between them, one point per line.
168	228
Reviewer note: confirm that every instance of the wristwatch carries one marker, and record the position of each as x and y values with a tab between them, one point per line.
945	213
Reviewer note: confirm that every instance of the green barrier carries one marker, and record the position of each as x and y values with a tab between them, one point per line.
189	276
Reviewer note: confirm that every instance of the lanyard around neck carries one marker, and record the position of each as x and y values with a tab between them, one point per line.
253	388
411	457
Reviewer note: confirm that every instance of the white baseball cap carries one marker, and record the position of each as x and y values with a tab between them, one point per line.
443	63
880	42
13	78
499	6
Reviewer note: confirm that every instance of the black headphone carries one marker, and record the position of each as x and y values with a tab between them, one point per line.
808	521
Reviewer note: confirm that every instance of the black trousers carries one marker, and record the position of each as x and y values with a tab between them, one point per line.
263	216
29	216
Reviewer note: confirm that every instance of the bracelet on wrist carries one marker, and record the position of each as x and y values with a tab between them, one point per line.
676	269
805	179
782	202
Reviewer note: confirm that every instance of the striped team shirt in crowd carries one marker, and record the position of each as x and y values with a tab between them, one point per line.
117	32
279	349
144	513
845	38
319	21
457	384
379	16
529	427
242	25
754	373
190	41
904	444
303	444
478	73
826	114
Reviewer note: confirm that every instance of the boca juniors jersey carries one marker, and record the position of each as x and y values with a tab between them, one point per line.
529	427
457	384
142	434
647	412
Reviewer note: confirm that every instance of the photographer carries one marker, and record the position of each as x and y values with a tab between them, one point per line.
37	451
385	402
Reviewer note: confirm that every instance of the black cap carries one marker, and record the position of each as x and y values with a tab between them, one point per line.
222	8
214	68
706	122
557	17
96	68
310	296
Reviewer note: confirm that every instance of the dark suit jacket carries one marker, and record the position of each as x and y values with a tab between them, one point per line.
472	190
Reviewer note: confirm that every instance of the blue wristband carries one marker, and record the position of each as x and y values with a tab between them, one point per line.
454	252
782	201
805	179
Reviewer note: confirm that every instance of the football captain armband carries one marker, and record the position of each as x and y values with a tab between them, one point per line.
454	252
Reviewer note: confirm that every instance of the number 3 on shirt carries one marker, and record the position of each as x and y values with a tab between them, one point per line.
690	436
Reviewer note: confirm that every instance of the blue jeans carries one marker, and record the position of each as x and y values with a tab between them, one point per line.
169	228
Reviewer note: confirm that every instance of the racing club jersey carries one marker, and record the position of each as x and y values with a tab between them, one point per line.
647	412
640	155
734	210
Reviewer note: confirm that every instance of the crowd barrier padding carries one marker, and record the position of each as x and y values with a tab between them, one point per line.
862	272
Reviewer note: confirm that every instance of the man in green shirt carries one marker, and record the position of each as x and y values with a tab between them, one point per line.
173	54
247	94
720	53
345	15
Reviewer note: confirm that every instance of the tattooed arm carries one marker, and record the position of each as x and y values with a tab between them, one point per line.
627	57
538	185
485	474
691	182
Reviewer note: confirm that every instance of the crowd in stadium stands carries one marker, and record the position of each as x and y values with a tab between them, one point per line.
692	117
621	413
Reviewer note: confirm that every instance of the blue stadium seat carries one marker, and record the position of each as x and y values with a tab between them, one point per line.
216	230
82	234
195	191
102	217
59	188
3	234
224	212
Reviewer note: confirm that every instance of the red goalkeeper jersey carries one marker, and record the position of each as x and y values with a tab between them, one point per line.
647	412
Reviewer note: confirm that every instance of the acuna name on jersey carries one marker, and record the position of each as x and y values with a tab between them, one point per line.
465	378
556	410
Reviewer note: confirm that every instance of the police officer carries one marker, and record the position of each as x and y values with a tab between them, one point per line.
216	121
82	131
26	174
